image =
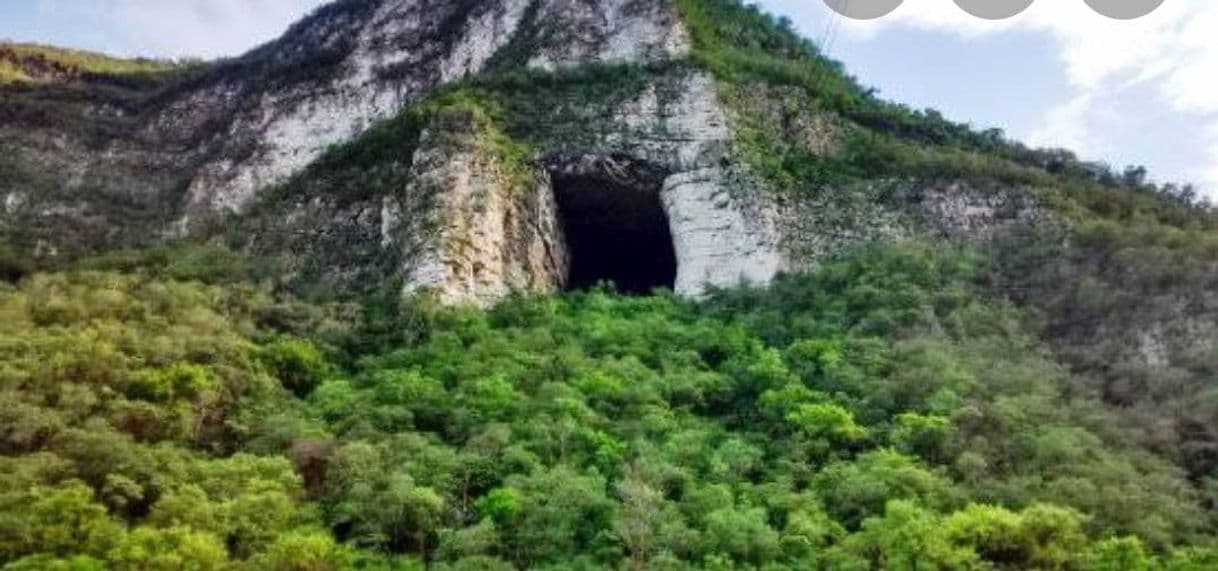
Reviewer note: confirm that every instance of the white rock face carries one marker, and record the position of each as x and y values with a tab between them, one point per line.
398	55
250	123
487	242
491	240
584	31
716	241
291	127
719	240
244	125
490	244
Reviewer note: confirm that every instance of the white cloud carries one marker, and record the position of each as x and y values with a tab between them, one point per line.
1174	51
1093	48
1207	174
1066	125
1192	84
177	28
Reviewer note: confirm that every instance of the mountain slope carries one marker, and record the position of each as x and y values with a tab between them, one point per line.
223	345
711	98
208	139
24	63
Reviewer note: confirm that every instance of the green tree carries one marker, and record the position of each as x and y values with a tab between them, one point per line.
561	514
826	426
741	533
906	537
854	491
926	436
304	550
298	364
392	511
62	521
173	549
1119	554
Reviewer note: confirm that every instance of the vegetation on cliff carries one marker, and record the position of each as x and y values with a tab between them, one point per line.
26	63
1042	399
753	53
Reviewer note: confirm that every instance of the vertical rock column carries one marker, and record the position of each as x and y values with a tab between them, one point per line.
716	241
490	238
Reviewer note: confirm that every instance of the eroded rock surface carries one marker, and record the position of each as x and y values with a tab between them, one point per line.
451	213
492	238
679	137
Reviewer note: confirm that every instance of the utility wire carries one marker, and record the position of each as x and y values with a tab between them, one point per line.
829	37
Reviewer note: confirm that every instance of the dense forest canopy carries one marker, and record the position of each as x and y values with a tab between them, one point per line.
914	404
878	413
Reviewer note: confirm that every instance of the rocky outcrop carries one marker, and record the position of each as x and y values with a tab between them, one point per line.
209	141
493	235
673	132
590	31
720	237
388	57
717	241
450	213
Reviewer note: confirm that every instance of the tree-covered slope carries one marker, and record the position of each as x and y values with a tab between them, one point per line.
1033	389
1120	272
878	413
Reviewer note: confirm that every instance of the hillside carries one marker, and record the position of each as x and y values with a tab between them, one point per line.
29	63
341	303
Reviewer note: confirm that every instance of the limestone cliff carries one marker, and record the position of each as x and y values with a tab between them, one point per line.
462	146
473	149
382	56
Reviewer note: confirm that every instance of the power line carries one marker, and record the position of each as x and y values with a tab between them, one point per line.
831	30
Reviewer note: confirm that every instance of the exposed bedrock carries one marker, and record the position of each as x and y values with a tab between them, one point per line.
636	179
649	203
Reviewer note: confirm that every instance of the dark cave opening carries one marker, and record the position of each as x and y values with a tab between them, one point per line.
617	232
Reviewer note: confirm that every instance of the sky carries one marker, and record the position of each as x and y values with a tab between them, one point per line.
1143	91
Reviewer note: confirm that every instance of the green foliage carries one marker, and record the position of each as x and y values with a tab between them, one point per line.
878	413
1040	537
1120	553
905	537
898	408
826	421
298	364
305	550
22	63
182	261
763	64
740	42
124	399
854	491
1121	302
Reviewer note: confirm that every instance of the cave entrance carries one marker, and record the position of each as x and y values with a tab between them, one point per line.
616	230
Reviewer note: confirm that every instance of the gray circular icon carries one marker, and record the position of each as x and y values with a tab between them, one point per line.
863	9
1124	9
995	9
